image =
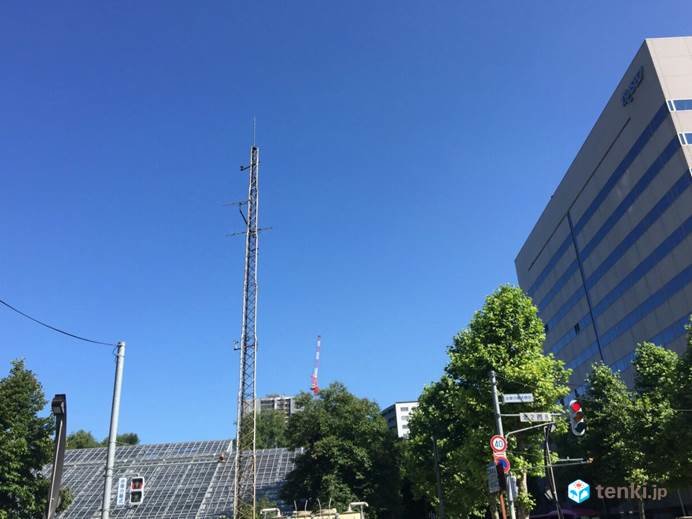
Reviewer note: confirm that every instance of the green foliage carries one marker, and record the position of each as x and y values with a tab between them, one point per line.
271	430
609	410
129	438
81	440
66	498
25	445
85	440
680	428
349	454
630	432
507	336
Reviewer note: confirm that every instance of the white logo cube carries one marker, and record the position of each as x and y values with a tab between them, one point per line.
578	491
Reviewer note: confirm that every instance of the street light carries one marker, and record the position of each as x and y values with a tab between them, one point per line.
59	408
58	405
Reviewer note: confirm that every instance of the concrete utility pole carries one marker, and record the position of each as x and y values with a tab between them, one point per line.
113	433
500	431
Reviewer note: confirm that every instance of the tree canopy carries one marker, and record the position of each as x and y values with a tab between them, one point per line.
630	431
456	413
349	453
271	429
82	439
25	445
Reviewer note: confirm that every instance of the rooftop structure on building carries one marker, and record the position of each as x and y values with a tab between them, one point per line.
191	480
609	261
397	416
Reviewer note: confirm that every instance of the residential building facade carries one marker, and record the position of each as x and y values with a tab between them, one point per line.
282	403
397	416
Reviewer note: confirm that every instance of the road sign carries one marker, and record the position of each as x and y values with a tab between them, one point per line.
493	483
517	398
498	443
535	417
503	461
512	492
122	488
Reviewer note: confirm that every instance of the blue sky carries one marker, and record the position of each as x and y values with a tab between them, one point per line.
407	149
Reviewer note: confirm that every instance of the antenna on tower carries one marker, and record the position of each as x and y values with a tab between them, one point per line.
314	386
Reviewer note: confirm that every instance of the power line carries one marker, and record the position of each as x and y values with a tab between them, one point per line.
53	327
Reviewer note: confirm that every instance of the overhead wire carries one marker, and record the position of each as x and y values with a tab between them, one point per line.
55	329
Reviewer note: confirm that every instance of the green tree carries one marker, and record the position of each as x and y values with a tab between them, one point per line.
271	430
85	440
81	440
25	445
128	438
506	336
349	454
609	409
680	426
629	431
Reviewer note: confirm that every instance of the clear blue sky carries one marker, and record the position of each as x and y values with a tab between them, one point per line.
408	148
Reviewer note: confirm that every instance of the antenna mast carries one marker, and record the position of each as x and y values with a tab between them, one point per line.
245	463
314	387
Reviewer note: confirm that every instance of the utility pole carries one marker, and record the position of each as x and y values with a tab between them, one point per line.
113	432
245	463
59	409
500	431
551	474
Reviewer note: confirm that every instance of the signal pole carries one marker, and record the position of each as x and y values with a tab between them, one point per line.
500	431
113	432
245	463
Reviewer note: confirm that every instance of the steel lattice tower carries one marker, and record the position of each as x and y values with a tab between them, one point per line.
245	464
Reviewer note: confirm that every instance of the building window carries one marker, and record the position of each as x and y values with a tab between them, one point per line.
404	409
685	138
577	328
546	328
679	104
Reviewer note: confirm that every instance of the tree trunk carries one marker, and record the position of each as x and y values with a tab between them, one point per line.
642	514
522	483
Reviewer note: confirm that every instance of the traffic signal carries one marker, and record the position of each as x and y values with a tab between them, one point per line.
501	476
136	490
577	420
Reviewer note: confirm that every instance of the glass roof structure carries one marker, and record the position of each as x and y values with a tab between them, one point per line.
182	480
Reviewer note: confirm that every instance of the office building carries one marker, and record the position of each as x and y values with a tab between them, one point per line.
609	262
397	416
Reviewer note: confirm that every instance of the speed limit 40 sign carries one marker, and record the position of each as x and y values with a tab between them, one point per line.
498	443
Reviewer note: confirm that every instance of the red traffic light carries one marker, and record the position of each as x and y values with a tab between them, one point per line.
577	418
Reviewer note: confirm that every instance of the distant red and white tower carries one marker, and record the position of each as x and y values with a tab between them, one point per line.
314	386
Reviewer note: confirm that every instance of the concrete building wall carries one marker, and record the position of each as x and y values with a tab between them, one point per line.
397	416
608	262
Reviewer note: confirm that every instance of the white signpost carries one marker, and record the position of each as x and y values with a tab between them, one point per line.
535	417
122	489
517	398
